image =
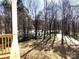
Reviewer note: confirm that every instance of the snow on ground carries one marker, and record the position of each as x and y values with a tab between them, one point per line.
70	40
49	54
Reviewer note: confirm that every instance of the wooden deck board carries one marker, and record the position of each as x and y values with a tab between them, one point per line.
4	56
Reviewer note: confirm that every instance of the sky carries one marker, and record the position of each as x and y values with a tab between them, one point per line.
72	1
0	1
1	8
41	3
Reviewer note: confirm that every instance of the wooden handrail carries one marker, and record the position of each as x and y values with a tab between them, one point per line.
6	35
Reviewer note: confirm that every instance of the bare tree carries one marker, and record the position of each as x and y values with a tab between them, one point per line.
8	16
22	14
65	18
35	10
45	12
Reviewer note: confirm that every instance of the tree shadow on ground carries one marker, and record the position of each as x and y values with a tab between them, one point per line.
67	51
64	51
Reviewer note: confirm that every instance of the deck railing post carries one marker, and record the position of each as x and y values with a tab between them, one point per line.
15	47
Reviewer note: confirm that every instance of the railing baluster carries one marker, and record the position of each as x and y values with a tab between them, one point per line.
5	42
2	44
8	43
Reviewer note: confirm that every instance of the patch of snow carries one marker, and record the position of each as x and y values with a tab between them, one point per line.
69	40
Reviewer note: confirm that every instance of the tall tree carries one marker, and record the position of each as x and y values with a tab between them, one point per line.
22	14
8	16
45	13
65	18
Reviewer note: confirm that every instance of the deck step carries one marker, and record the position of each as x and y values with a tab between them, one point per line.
5	56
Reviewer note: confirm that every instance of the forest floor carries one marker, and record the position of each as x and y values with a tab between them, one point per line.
44	49
38	49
